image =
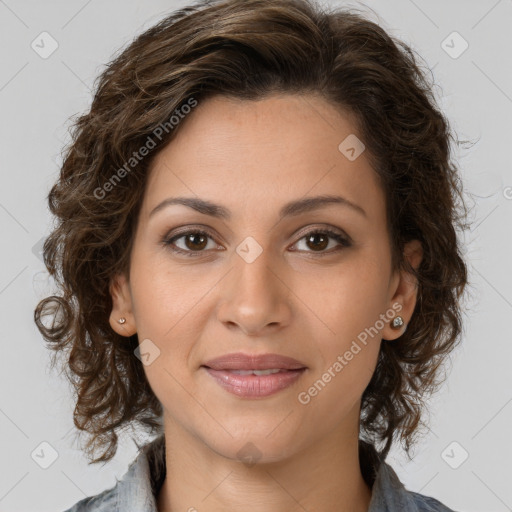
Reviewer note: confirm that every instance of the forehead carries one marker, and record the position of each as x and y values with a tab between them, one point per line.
245	152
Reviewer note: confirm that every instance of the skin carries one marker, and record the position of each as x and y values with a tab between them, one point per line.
252	158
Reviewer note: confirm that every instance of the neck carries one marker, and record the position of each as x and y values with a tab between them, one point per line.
323	477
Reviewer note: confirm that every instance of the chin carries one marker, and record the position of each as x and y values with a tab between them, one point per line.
255	446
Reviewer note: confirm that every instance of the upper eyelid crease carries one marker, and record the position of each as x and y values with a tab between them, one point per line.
334	233
290	209
321	228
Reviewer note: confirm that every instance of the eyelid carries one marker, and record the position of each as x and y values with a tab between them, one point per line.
324	228
192	228
168	240
343	239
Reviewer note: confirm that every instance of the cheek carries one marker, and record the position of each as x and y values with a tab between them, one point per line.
164	294
348	341
169	308
334	393
346	298
348	302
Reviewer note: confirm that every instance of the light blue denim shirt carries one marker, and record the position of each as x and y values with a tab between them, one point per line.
138	488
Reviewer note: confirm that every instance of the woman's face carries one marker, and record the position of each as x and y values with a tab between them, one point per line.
258	282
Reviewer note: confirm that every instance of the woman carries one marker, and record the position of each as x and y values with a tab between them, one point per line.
258	255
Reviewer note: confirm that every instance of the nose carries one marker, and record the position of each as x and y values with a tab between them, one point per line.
255	297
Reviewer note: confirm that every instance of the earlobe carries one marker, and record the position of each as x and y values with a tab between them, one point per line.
121	317
404	298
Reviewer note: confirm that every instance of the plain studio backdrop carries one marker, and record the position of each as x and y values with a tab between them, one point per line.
464	459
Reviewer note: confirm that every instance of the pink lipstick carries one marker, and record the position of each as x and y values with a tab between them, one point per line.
254	376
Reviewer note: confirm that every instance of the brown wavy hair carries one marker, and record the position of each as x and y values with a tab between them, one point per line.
249	49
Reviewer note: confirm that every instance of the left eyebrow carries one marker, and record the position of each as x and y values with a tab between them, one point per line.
291	209
308	204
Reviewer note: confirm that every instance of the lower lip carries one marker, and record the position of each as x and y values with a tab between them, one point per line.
255	386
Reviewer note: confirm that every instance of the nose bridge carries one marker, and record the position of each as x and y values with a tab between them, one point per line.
256	297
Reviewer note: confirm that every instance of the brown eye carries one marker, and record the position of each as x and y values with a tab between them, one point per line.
196	241
189	243
318	241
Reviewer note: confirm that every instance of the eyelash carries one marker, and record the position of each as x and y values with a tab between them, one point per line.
168	242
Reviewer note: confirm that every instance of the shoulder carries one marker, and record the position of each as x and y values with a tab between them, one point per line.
389	494
136	489
103	502
428	504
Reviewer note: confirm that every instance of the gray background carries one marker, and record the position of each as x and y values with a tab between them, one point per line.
37	96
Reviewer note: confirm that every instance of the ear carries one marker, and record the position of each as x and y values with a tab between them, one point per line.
403	289
121	306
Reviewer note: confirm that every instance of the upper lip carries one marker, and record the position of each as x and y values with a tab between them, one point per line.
240	361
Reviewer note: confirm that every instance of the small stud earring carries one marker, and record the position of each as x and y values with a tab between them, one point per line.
397	322
122	320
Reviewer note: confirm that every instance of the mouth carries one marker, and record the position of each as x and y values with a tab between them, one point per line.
254	376
252	362
270	371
